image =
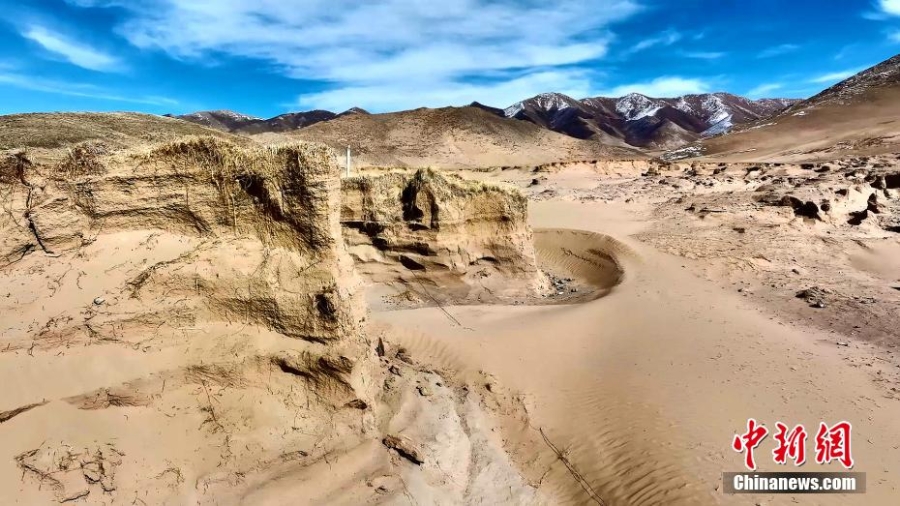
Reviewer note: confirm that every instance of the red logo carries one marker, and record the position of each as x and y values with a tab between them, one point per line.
832	443
791	444
748	441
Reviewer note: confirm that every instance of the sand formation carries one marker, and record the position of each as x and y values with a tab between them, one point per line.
209	289
184	322
465	240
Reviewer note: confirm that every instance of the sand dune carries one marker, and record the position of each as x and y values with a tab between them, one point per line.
591	258
645	387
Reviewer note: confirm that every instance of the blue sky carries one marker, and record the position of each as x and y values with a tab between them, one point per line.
266	57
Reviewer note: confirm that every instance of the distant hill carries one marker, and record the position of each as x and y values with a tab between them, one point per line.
117	130
230	121
860	115
630	121
227	121
448	137
496	111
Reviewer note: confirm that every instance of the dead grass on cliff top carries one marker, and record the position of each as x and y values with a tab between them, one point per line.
210	151
459	185
186	154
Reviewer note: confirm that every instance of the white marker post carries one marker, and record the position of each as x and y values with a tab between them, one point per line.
348	161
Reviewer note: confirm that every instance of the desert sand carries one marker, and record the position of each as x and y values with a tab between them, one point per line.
211	321
645	387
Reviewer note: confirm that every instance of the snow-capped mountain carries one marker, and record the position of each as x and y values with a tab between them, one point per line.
634	120
635	106
643	121
220	120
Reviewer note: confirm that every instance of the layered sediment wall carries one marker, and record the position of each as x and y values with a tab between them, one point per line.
470	239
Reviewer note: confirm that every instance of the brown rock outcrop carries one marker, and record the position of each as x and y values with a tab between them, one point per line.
470	238
269	238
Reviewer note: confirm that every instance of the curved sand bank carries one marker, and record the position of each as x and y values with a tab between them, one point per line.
644	389
593	259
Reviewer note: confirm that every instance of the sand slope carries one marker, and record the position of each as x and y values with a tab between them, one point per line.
645	388
857	116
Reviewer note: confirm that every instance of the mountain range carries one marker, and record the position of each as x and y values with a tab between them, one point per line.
454	137
859	116
642	121
631	121
234	122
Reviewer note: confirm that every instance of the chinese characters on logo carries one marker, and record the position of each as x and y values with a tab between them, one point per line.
832	443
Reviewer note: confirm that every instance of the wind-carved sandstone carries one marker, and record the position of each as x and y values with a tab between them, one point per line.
470	239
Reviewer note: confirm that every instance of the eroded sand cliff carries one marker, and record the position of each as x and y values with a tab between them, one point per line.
182	323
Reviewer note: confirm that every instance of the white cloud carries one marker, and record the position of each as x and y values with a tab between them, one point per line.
363	48
76	90
894	36
394	96
704	55
891	7
74	52
763	90
778	50
661	87
666	38
835	76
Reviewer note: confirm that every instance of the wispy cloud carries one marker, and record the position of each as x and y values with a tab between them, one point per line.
76	90
778	50
764	90
834	77
418	47
74	52
704	55
894	36
394	96
666	38
661	87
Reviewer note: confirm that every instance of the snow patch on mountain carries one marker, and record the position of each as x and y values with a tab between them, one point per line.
716	109
720	127
683	106
544	101
221	114
514	109
635	106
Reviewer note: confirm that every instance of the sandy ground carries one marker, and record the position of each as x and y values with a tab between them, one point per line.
645	388
684	323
